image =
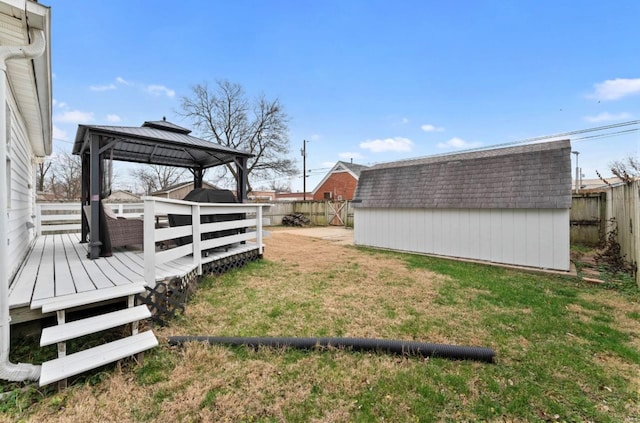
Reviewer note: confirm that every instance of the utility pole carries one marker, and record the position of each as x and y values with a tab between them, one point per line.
303	151
577	186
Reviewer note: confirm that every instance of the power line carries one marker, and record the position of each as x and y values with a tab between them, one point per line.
539	138
607	135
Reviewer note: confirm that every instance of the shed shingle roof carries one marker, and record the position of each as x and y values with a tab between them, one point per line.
522	177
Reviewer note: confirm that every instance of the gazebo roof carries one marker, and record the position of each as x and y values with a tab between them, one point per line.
156	142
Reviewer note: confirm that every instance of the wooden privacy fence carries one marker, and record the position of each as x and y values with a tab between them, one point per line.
623	205
325	213
65	217
321	213
587	218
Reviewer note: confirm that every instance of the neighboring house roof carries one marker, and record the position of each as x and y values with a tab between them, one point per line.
30	80
157	142
527	176
599	184
340	166
122	194
292	196
182	185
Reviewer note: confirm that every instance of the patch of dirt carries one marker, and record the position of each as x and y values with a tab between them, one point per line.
586	262
307	253
338	234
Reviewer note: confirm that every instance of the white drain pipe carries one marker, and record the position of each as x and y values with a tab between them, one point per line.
10	371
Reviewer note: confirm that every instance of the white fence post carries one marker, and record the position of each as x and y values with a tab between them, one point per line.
195	231
259	228
149	242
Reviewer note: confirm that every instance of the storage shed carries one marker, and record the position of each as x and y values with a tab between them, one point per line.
504	205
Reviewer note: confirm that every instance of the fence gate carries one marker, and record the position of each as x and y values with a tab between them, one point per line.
336	213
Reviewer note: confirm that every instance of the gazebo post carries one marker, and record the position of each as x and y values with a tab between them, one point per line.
94	197
241	191
198	174
84	197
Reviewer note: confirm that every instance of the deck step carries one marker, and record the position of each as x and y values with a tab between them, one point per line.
78	328
73	364
89	297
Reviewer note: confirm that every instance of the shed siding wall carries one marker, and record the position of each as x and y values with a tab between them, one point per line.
525	237
21	182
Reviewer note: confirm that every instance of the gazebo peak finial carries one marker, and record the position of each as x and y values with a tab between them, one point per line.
165	125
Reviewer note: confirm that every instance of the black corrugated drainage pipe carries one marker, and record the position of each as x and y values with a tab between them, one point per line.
357	344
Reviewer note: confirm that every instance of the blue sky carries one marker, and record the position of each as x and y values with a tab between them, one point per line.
370	80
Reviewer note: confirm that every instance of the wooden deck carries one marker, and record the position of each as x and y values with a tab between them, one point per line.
57	266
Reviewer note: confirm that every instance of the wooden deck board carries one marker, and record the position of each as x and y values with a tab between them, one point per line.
22	289
129	261
57	268
82	282
99	279
123	270
62	273
44	288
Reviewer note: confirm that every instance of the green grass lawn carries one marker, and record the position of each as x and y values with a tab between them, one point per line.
565	350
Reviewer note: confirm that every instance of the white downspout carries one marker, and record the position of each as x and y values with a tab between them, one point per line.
10	371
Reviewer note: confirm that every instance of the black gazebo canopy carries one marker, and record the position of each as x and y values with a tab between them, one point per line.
155	142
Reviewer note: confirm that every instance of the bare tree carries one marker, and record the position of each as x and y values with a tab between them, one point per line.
627	169
41	175
279	186
152	178
223	114
66	174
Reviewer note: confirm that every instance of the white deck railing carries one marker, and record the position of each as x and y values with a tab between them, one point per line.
162	243
55	217
243	222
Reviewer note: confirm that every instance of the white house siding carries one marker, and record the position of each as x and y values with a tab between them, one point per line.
21	183
525	237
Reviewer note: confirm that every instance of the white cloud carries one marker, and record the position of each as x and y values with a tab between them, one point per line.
606	116
113	118
328	164
348	155
314	137
60	104
59	134
431	128
121	80
404	120
102	87
614	89
387	144
458	144
73	116
160	90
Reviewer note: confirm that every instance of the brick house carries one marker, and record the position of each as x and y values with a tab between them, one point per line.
340	183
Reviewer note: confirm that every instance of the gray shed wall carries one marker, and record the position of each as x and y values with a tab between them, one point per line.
524	237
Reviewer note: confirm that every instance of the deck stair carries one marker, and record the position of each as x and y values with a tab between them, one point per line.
59	369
